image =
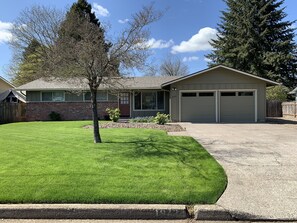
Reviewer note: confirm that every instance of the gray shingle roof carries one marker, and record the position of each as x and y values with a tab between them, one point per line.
132	83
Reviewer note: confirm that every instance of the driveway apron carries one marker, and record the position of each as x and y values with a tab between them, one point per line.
261	164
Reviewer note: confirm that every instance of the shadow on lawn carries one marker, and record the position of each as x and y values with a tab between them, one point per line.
167	149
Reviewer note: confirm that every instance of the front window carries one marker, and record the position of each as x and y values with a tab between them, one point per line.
149	100
137	100
47	96
58	96
53	96
101	96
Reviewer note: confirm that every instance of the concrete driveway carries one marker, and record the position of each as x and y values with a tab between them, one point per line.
261	164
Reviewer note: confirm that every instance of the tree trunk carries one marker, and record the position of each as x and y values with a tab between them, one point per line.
97	138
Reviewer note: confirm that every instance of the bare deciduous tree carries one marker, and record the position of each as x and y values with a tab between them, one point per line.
77	50
93	59
38	23
173	66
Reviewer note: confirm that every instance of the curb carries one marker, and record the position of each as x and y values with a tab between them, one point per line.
93	211
212	213
218	213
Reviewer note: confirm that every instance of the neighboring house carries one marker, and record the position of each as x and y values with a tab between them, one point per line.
8	94
12	103
5	85
217	94
12	96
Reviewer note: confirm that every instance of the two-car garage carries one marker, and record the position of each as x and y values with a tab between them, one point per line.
218	95
218	106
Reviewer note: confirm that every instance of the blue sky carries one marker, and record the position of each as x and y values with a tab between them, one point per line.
183	31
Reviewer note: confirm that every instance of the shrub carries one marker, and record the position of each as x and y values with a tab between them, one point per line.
161	118
146	119
277	93
114	114
55	116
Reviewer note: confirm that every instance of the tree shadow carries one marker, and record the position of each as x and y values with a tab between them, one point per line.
152	147
281	121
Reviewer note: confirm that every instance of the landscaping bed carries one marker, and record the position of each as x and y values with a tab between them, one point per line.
57	162
166	127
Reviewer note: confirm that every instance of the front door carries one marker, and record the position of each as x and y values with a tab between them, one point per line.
124	104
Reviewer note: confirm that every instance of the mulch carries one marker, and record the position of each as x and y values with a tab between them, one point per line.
166	127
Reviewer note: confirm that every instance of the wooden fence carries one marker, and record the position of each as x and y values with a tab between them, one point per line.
289	109
273	109
12	112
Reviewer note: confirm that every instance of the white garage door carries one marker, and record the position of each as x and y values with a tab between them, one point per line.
198	107
237	106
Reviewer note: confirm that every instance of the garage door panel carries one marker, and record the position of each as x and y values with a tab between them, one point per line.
239	108
200	108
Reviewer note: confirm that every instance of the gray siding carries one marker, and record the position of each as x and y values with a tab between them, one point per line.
215	80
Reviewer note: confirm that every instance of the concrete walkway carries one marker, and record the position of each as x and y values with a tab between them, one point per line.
261	164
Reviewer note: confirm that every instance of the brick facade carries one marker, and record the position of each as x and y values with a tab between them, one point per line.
39	111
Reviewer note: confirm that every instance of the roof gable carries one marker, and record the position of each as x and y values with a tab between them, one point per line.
217	67
6	82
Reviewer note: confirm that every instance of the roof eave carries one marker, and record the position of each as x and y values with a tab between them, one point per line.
85	89
50	89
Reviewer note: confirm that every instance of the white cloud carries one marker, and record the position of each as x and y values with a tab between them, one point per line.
100	10
122	21
207	60
198	42
5	34
159	44
190	59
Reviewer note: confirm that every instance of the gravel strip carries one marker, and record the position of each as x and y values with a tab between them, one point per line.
166	127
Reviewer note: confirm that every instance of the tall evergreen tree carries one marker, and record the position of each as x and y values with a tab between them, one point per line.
31	62
83	52
254	37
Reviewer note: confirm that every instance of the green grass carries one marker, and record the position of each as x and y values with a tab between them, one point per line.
57	162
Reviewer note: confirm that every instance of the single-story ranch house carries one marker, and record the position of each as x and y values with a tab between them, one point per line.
217	94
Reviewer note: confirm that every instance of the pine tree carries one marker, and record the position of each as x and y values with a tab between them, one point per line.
254	37
30	65
83	52
82	9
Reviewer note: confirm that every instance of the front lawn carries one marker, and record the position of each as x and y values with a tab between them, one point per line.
57	162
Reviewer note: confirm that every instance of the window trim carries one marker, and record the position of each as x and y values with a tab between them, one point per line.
157	109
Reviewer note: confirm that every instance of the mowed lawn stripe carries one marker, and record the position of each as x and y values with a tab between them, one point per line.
57	162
